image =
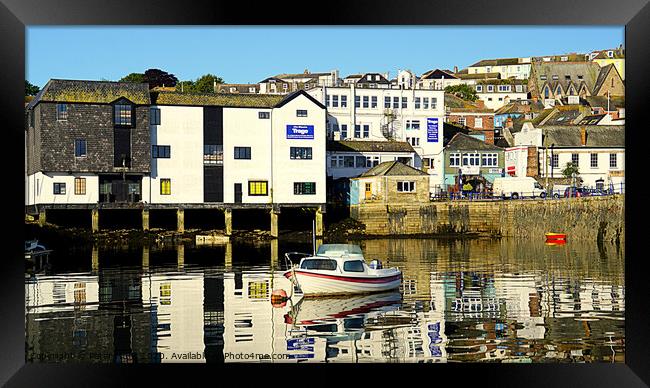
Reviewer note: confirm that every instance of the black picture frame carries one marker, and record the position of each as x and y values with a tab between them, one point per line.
634	14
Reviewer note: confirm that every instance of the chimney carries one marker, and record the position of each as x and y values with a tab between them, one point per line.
534	99
214	85
583	136
455	69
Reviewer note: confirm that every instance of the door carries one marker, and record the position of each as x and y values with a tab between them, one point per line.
238	192
120	191
368	191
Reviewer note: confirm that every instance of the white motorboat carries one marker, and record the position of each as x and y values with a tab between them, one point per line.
338	269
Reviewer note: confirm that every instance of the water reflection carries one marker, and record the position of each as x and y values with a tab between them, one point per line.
471	300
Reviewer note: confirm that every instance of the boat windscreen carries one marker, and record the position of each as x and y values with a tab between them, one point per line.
339	249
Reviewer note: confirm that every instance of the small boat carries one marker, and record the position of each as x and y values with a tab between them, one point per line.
555	236
339	269
34	250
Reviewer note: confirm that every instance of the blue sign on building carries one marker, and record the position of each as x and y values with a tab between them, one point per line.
432	130
300	131
301	344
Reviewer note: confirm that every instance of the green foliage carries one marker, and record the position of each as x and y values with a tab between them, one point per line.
203	84
464	91
30	89
570	169
134	77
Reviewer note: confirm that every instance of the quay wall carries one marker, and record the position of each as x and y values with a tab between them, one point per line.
591	218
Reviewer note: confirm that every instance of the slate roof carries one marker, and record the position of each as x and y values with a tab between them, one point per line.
239	88
98	92
597	136
603	75
478	76
517	107
588	70
393	168
463	142
368	146
591	119
438	74
496	62
564	115
601	101
218	99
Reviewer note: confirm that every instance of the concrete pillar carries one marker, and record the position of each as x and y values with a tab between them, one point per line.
41	218
145	257
275	250
145	220
228	257
94	214
95	258
274	223
228	219
180	256
180	220
319	222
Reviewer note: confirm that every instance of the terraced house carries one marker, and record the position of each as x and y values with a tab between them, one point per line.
109	144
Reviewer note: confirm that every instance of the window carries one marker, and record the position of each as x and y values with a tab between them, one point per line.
154	116
304	188
159	151
519	88
322	264
471	159
327	100
564	59
257	188
405	187
360	162
300	152
504	88
612	161
413	141
366	130
366	101
490	88
478	122
594	160
372	161
61	112
386	102
80	148
353	266
165	186
575	159
80	186
454	160
417	102
212	154
610	54
59	188
301	113
479	88
543	77
373	101
434	102
555	161
555	77
335	101
425	103
412	124
242	152
357	101
404	105
461	120
580	77
490	159
348	161
264	115
357	131
395	102
122	114
344	101
344	131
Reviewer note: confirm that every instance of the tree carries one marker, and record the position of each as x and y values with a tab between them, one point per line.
463	91
570	169
205	83
30	89
157	77
134	77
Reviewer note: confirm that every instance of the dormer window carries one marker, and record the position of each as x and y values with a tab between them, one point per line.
543	77
567	77
555	77
610	54
579	77
123	115
479	88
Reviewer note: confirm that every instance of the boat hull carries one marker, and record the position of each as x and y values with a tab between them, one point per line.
315	284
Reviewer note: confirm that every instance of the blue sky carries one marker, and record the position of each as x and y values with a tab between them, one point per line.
250	54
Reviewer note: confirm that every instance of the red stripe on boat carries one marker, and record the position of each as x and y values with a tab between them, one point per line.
384	279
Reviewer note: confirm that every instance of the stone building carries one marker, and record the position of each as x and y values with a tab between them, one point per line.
391	183
469	159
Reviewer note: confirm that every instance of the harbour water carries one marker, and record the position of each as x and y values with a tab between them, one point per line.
476	300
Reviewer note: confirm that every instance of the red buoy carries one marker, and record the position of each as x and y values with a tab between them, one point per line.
279	298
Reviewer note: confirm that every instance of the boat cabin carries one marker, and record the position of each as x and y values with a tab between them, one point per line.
332	257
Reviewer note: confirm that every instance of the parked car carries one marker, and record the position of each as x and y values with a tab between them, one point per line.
572	192
598	192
